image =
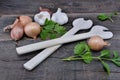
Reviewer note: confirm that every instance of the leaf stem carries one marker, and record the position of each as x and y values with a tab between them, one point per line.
72	58
110	19
106	59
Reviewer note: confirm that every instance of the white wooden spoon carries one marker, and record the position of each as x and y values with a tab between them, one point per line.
78	24
96	30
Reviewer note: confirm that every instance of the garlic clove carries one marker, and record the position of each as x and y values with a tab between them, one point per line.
41	17
60	17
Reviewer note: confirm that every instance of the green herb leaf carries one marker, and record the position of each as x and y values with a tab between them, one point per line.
49	22
115	53
60	29
82	52
87	57
87	48
105	53
102	17
106	67
53	36
115	13
49	27
44	34
117	63
52	30
79	49
116	58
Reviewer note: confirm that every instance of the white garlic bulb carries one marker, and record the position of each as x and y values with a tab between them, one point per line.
41	17
60	17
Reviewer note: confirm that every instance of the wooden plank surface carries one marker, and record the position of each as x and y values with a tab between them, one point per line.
53	68
69	6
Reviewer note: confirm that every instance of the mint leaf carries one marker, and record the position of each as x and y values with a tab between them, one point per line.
105	53
106	67
87	57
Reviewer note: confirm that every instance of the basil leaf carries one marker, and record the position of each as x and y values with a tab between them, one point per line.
87	57
105	53
106	67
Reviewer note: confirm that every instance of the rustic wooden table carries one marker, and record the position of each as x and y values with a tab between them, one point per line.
53	68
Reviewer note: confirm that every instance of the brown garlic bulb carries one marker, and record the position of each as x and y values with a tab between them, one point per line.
25	19
97	43
17	32
32	30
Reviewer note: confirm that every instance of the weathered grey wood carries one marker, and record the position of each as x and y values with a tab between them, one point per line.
88	75
70	6
53	68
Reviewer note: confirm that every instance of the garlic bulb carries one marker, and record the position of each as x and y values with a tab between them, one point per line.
97	43
25	19
41	17
17	31
60	17
32	29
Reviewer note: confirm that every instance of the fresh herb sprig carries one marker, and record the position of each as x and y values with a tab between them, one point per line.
104	17
52	30
82	52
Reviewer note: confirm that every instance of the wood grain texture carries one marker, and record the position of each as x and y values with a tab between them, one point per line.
53	68
69	6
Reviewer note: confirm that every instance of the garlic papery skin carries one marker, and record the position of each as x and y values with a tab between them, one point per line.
60	17
96	43
41	17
